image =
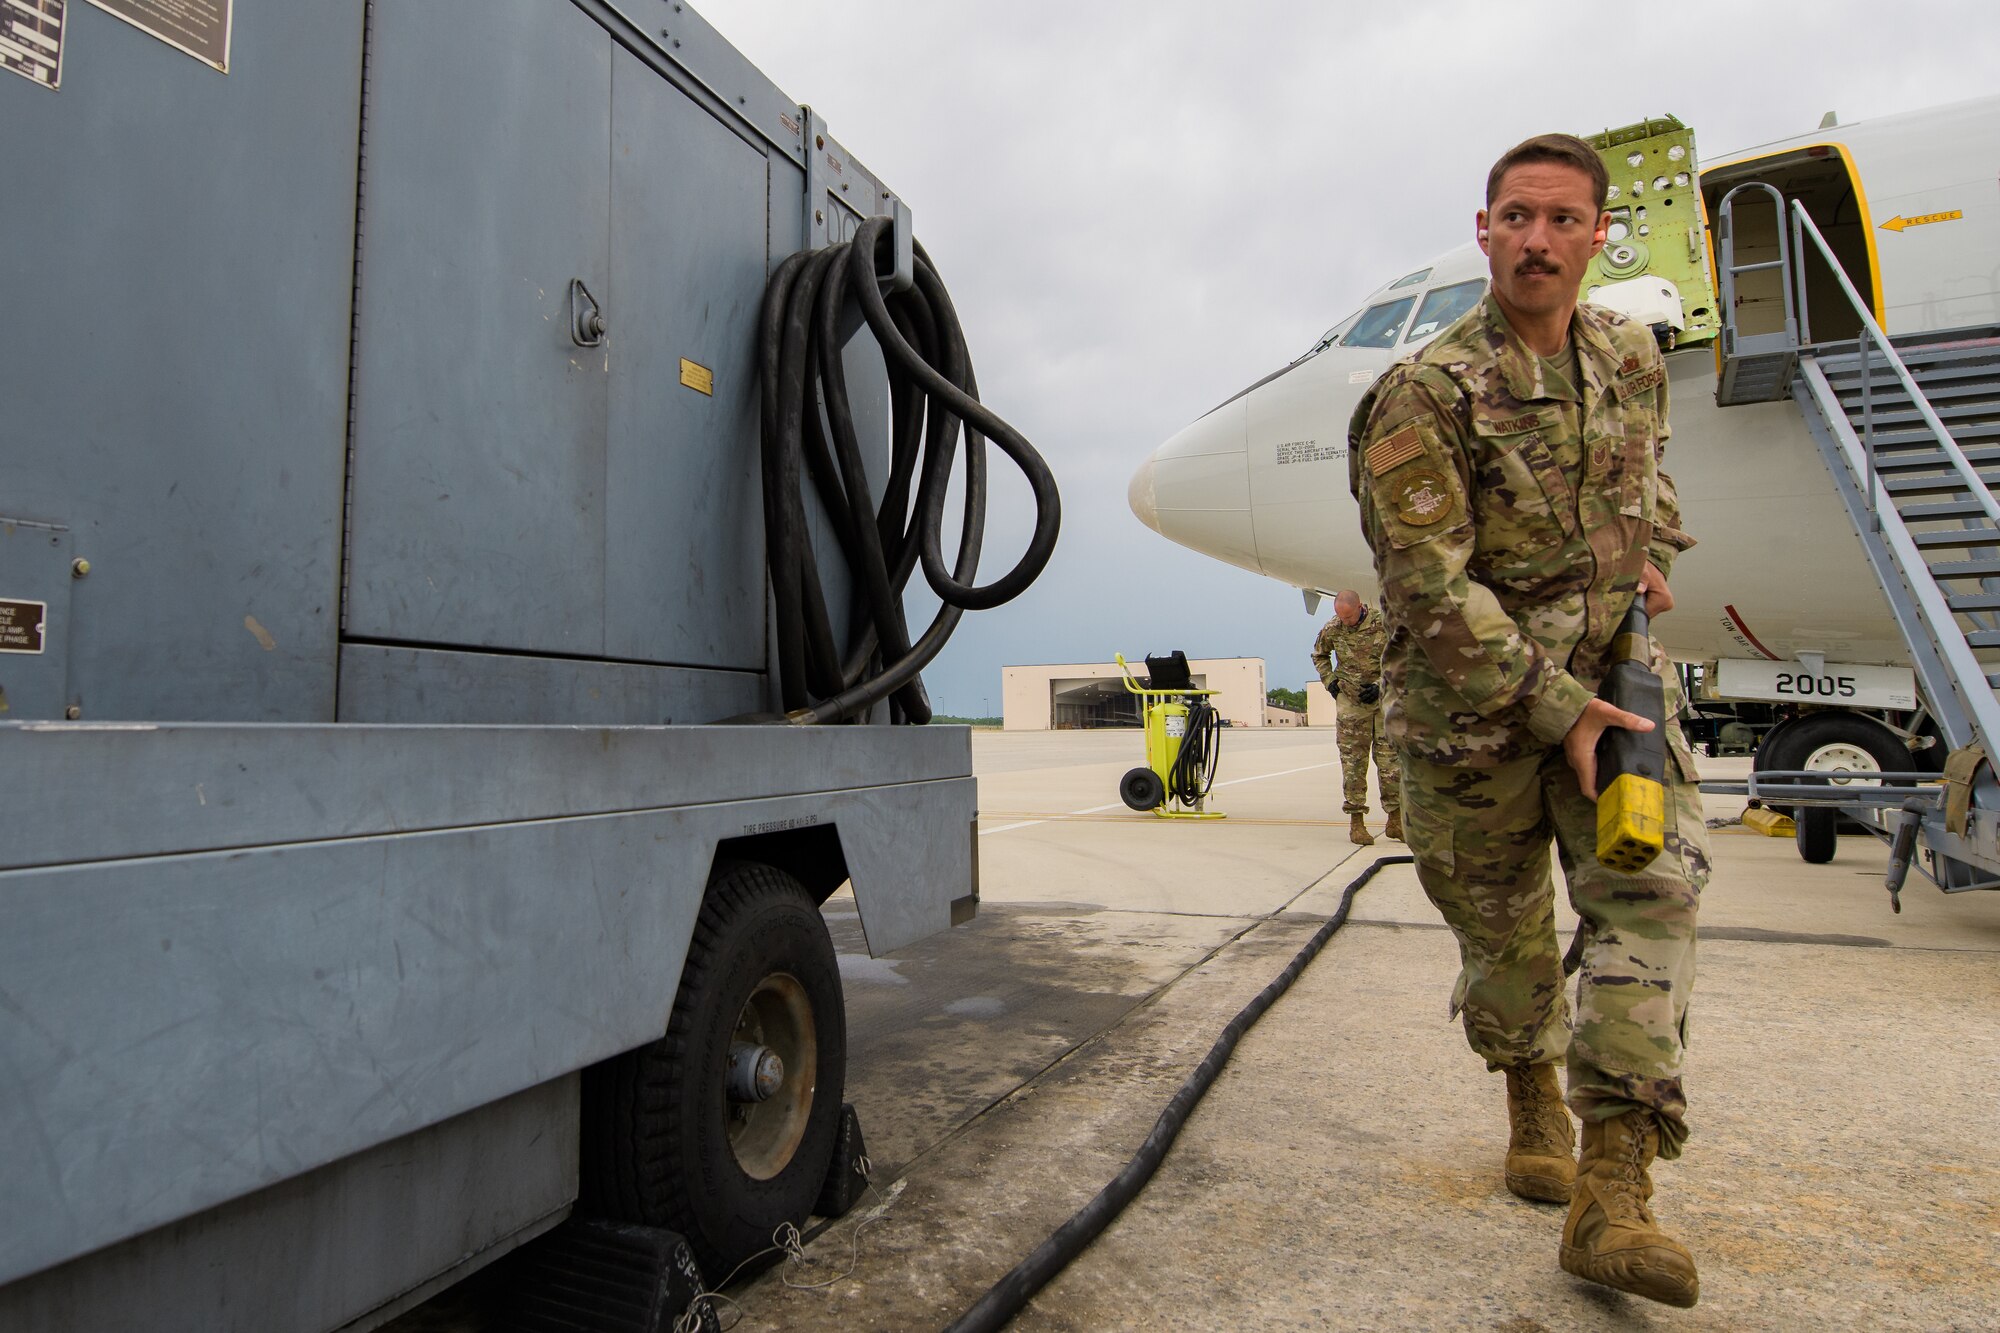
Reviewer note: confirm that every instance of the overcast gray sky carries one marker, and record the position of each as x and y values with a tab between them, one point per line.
1140	208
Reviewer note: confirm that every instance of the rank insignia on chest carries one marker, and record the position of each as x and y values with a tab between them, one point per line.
1422	498
1395	450
1630	364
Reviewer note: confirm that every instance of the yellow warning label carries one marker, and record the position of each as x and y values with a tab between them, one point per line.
1899	222
699	378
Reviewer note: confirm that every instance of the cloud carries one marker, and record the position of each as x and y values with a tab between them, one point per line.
1142	207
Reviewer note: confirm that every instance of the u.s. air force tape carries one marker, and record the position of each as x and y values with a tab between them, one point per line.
1397	449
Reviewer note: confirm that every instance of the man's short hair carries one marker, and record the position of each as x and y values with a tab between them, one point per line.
1564	150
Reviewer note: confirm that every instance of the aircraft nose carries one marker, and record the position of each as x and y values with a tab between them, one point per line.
1139	494
1195	489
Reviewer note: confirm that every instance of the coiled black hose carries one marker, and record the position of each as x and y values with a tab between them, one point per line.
1193	772
1006	1297
808	426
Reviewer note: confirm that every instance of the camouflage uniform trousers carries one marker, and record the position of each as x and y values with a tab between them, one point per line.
1358	728
1481	840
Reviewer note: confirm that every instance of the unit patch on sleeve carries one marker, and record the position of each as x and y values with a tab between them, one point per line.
1421	498
1397	449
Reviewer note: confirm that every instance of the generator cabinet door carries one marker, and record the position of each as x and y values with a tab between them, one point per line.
689	237
478	488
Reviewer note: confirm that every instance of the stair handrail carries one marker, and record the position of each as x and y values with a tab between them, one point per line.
1803	227
1965	707
1725	214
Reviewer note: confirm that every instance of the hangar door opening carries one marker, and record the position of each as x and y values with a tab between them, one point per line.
1081	704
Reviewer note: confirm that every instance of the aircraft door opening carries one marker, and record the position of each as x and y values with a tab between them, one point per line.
1822	178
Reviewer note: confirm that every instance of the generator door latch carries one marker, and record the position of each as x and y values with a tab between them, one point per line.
586	317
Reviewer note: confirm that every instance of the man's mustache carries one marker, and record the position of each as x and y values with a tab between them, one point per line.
1535	266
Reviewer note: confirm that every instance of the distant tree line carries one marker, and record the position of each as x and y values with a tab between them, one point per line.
1284	698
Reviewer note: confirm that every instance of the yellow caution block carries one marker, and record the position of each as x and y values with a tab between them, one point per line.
1768	822
1630	823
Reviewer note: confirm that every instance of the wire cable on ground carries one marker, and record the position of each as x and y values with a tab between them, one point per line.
808	428
1007	1296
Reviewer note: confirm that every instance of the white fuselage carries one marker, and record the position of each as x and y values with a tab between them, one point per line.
1262	481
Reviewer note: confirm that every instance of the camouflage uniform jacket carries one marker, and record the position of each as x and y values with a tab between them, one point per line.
1353	654
1503	581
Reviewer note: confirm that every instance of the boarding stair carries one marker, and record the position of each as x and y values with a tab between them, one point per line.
1909	428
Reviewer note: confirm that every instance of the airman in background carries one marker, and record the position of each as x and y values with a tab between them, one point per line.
1510	487
1348	656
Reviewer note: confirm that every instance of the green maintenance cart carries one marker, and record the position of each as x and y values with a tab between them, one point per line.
1183	742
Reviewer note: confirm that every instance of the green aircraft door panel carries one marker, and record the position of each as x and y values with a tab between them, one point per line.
1656	227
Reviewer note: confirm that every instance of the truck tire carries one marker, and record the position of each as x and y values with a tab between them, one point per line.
670	1138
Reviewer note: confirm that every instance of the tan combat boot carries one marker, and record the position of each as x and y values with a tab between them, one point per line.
1358	834
1610	1235
1540	1145
1395	829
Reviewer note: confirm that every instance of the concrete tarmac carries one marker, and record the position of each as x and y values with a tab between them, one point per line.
1844	1084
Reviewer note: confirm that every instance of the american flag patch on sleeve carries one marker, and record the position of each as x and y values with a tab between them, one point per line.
1394	451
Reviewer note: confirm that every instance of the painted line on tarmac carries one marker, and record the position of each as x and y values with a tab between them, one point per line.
1030	823
1285	774
1120	805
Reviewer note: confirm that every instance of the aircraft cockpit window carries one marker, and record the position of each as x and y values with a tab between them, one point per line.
1327	339
1409	279
1379	324
1443	305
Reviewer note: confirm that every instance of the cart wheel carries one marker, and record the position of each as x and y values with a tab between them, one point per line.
1816	830
1142	789
724	1128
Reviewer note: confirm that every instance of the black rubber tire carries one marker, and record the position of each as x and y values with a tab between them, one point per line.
1816	831
1142	789
656	1120
1791	745
1765	758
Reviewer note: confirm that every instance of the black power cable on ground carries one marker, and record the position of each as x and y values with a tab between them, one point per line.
808	427
1007	1296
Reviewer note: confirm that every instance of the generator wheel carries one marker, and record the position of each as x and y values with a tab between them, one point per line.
1142	789
699	1132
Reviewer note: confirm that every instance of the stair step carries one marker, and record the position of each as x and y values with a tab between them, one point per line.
1963	433
1949	539
1967	352
1983	638
1937	509
1976	414
1966	569
1935	457
1974	601
1889	391
1936	483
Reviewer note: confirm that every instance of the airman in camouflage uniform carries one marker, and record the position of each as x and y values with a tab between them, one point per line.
1348	656
1512	493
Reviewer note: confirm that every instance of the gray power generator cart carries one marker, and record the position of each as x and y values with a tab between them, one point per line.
396	852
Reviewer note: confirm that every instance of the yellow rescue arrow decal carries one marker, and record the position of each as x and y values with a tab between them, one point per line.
1899	222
